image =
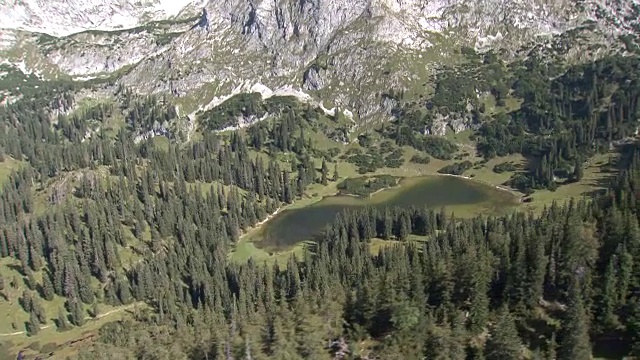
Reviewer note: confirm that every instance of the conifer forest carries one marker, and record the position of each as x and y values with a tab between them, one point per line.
119	221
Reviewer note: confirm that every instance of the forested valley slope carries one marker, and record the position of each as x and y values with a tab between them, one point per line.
130	222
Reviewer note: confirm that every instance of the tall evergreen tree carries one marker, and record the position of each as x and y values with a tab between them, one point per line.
325	170
33	325
61	321
575	342
504	342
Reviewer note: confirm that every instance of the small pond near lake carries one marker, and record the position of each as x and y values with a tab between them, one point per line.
461	196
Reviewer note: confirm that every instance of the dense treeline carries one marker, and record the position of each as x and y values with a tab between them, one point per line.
150	193
145	113
365	186
456	168
488	288
250	108
567	113
410	133
562	284
564	120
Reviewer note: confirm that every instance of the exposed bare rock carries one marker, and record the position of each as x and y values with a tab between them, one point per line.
350	52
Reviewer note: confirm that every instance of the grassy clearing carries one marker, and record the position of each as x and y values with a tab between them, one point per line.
13	337
62	344
597	174
376	245
161	142
486	174
8	166
12	315
460	138
246	249
491	107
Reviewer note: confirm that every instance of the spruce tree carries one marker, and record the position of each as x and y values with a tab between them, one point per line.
578	171
95	310
479	311
77	313
61	322
504	342
33	325
387	224
325	170
575	342
47	287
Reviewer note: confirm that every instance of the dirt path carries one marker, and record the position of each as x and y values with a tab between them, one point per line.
100	316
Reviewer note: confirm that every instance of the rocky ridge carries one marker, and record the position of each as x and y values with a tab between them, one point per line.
349	53
63	18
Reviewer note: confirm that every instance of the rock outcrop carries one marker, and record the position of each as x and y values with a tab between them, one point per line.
347	52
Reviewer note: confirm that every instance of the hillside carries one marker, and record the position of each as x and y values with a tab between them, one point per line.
350	56
140	161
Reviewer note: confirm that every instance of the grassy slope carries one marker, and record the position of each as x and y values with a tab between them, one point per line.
12	319
7	167
594	178
11	312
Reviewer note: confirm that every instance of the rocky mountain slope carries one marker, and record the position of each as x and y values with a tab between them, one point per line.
62	18
348	53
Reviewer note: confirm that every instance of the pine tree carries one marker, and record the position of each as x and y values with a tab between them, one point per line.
578	171
47	287
336	176
552	348
387	224
33	326
479	311
30	280
95	310
404	226
38	309
608	304
325	170
61	321
77	313
504	342
575	343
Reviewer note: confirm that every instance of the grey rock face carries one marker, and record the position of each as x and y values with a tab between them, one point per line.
314	78
62	18
347	52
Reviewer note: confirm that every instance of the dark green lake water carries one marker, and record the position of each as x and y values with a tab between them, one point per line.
461	196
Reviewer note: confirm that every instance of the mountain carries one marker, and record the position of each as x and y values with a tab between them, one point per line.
349	54
132	224
62	18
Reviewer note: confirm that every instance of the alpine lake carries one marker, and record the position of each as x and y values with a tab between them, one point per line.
460	196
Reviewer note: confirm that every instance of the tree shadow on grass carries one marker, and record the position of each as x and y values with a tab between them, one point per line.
16	268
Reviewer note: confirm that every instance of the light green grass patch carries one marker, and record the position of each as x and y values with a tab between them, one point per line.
376	245
460	138
246	249
161	142
486	173
597	174
8	166
49	338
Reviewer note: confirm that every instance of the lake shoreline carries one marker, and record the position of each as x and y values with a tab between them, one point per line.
259	225
498	187
399	180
